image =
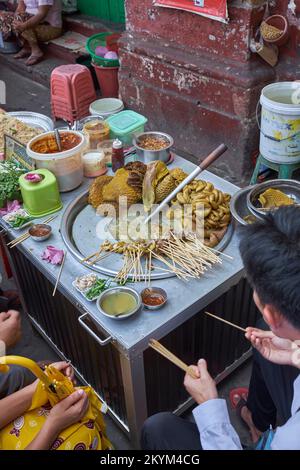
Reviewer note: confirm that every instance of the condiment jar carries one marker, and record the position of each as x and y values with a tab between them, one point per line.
96	130
94	163
118	158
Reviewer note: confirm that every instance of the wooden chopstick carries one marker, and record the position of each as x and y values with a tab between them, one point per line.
59	274
226	321
154	344
27	235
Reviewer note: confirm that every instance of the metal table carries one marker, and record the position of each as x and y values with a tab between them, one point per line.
113	356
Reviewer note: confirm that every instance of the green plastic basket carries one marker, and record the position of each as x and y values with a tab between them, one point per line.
100	40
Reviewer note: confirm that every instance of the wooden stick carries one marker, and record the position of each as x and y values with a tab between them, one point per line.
59	274
213	156
171	357
227	322
27	235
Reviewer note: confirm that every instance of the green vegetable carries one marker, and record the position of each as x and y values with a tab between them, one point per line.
19	221
9	180
100	286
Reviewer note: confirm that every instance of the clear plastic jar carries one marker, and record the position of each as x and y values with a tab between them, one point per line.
94	163
96	130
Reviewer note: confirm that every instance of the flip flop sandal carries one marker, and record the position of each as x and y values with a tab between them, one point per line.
34	59
236	395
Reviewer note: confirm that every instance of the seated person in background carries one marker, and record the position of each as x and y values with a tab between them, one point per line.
35	22
271	254
10	334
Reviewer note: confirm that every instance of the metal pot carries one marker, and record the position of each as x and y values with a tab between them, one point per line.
147	156
289	187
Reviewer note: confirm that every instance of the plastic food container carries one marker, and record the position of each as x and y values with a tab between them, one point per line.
67	165
107	147
41	198
106	107
94	163
125	125
96	130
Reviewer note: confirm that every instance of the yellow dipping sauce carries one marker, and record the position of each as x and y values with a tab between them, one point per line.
118	303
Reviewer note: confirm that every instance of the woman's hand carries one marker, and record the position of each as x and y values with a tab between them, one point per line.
274	349
203	388
66	369
69	411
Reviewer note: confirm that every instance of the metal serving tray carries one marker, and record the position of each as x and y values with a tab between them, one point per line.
35	120
78	230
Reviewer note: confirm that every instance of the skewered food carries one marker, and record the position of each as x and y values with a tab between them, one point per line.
186	258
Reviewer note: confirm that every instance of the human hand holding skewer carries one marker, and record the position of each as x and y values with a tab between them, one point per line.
203	387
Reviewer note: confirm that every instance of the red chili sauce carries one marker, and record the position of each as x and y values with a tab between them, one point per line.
153	299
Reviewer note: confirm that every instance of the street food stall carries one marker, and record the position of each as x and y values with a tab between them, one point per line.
109	352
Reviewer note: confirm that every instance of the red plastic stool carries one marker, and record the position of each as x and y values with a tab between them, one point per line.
72	92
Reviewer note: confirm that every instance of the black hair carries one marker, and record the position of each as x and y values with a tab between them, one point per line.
270	251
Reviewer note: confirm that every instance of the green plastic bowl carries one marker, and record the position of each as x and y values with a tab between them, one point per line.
100	40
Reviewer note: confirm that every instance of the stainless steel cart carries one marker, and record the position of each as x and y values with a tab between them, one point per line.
114	357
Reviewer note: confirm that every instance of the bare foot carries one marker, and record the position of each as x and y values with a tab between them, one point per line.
246	415
34	59
25	52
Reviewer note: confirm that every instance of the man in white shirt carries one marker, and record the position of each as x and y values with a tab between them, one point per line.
271	255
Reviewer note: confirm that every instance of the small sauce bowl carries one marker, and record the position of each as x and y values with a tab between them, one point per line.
154	298
40	232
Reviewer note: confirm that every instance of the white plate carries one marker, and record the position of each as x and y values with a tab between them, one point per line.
27	224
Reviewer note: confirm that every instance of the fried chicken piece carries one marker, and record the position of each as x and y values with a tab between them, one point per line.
96	190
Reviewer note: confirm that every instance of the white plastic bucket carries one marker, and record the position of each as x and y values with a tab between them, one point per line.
67	166
106	107
280	122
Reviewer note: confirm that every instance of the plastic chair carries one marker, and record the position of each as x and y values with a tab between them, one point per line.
284	170
72	92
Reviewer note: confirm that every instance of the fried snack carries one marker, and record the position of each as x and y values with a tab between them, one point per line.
137	171
179	175
274	198
158	184
96	190
208	203
108	209
15	128
119	187
153	142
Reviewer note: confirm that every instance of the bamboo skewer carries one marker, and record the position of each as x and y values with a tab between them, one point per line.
27	235
226	321
59	274
171	357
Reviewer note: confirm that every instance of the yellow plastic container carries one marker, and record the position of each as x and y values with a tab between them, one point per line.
43	198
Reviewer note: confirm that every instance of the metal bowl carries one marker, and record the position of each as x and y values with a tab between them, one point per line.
289	187
43	237
113	290
148	156
154	290
239	208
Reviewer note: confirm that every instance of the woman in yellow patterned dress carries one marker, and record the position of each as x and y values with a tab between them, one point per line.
30	421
